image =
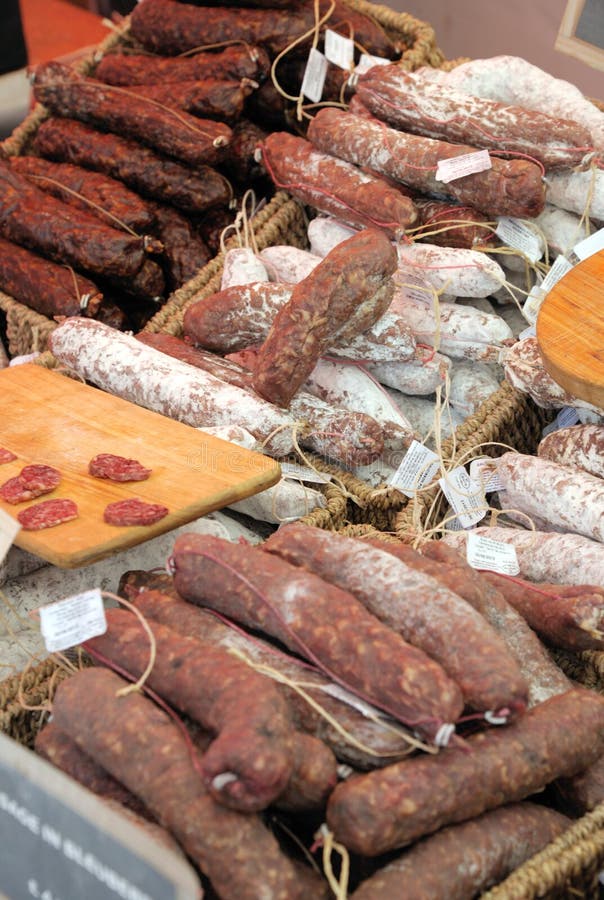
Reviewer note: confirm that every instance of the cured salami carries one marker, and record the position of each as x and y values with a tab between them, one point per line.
124	366
508	188
94	193
335	186
32	482
415	605
355	277
39	221
462	860
143	170
581	446
185	253
413	105
134	512
169	130
164	26
141	746
315	618
374	813
48	287
212	98
236	61
48	514
117	468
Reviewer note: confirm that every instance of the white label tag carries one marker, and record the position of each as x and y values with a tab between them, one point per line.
410	286
367	61
458	166
9	529
559	268
484	472
567	416
590	245
532	304
314	75
465	496
340	693
495	556
303	473
418	467
68	622
514	233
339	50
531	331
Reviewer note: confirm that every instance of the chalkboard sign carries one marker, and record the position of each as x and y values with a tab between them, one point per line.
581	33
58	841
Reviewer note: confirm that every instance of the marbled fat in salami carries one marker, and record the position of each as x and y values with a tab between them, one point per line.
117	468
134	512
32	482
6	456
47	514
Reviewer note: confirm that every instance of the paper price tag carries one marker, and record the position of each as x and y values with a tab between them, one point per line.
458	166
465	496
495	556
532	304
590	245
514	233
567	416
418	467
339	50
410	286
9	529
367	61
559	268
484	472
69	622
303	473
314	75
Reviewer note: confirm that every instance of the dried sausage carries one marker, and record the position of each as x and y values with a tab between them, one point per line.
335	186
33	481
184	253
418	607
315	618
143	170
508	188
212	98
140	745
167	129
236	61
377	812
244	710
581	446
355	276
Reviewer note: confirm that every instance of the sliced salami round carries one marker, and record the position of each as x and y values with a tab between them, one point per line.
134	512
6	456
40	478
47	514
32	482
117	468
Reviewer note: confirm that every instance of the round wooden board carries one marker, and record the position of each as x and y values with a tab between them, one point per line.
570	330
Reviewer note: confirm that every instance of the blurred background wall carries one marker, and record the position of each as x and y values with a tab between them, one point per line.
525	28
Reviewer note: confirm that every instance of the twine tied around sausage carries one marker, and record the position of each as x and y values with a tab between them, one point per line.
324	838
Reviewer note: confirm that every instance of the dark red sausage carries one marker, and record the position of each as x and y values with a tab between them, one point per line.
133	511
374	813
418	607
142	747
139	167
312	617
237	61
168	130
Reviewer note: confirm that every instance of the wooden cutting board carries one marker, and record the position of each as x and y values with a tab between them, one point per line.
570	330
48	418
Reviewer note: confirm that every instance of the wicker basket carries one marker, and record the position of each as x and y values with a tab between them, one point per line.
567	868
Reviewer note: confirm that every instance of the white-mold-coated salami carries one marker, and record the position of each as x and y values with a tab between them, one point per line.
581	446
420	375
120	364
572	500
546	556
459	272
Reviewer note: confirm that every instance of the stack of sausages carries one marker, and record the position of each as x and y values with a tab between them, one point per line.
410	677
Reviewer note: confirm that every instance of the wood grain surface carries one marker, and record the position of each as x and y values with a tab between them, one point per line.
48	418
570	330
